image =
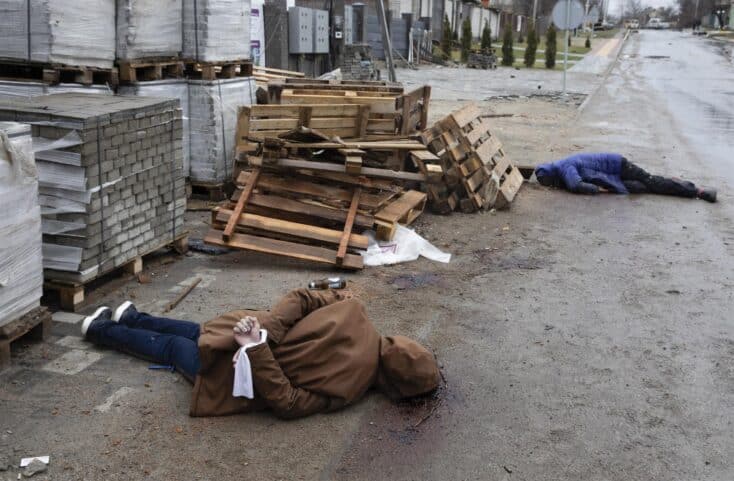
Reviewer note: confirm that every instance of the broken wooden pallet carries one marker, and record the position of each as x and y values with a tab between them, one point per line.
35	324
297	218
475	166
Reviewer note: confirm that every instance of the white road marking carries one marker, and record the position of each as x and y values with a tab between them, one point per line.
73	362
113	398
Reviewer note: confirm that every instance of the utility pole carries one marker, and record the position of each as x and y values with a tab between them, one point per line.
386	43
535	11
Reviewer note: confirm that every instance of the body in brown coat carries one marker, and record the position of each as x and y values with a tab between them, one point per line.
322	353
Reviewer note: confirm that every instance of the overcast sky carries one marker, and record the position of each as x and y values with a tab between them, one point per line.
614	5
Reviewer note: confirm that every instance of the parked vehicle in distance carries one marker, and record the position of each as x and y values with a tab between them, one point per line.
632	24
603	26
657	24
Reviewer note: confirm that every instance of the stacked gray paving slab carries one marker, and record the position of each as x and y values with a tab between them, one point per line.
111	184
71	32
213	108
216	30
149	28
357	63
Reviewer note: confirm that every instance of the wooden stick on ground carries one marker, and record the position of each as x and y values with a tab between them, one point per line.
342	251
235	217
172	305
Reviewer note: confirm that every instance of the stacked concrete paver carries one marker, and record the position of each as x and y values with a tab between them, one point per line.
111	183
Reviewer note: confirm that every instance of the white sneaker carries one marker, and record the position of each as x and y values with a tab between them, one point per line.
103	313
121	310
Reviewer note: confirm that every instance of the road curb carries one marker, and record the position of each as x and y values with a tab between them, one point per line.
604	75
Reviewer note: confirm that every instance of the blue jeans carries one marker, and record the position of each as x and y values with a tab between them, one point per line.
157	339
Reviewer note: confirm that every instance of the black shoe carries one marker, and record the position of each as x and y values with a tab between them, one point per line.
102	314
124	312
709	195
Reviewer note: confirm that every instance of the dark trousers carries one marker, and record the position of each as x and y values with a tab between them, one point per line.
639	181
156	339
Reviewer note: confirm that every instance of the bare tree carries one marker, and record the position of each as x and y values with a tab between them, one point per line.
633	9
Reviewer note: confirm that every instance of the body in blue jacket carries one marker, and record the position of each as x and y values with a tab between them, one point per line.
586	173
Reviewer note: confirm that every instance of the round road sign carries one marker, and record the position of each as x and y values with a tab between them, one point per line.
568	14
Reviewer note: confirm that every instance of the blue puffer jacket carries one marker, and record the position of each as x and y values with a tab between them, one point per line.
602	169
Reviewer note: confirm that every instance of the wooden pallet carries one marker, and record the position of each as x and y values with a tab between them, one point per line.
150	69
53	74
34	325
392	112
212	191
217	70
475	166
302	226
72	291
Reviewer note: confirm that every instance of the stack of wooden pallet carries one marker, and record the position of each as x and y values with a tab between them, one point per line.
476	172
310	185
392	111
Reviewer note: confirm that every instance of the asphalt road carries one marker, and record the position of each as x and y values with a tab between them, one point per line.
581	338
596	342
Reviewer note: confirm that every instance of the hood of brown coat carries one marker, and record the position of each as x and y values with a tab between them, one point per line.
406	368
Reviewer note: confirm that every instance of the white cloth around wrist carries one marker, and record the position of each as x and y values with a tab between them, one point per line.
242	386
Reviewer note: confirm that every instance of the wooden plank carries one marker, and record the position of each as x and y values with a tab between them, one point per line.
470	165
288	73
362	120
463	116
306	121
280	184
509	189
291	206
337	168
488	148
346	234
284	248
304	118
399	209
296	229
379	145
328	132
378	105
341	93
290	111
243	124
475	181
362	181
477	132
241	202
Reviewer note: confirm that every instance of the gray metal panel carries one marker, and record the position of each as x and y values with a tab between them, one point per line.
300	30
374	36
348	25
320	31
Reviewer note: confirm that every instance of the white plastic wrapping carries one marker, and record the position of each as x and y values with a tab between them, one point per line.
71	32
406	246
148	28
216	30
21	271
174	89
10	89
213	110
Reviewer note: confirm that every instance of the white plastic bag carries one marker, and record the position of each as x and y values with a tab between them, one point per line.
406	246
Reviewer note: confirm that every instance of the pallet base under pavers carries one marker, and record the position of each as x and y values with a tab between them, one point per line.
53	74
72	290
34	325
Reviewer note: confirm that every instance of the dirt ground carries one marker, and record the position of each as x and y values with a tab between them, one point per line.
584	338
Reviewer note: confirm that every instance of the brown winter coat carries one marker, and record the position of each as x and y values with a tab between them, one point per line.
322	354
